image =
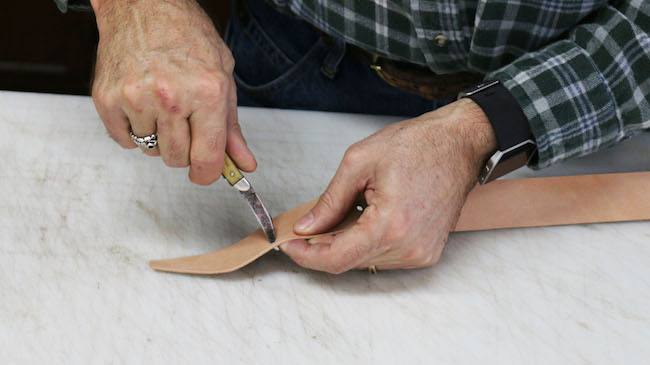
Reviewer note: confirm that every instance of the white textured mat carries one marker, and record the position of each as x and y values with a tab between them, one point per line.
80	217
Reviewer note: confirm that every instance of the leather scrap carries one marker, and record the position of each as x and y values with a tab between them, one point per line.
501	204
250	248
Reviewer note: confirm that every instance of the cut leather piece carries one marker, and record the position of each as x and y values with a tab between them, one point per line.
501	204
250	248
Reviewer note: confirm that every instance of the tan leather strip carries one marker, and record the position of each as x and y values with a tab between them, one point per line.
552	201
500	204
250	248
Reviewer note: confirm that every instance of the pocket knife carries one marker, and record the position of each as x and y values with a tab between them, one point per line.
237	180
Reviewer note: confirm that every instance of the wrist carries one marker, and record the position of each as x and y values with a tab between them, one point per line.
96	4
477	134
99	7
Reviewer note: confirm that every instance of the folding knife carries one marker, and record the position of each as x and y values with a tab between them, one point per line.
239	182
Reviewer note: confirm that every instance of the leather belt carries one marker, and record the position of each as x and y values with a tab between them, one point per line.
417	79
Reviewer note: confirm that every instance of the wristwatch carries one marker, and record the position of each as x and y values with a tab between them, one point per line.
516	142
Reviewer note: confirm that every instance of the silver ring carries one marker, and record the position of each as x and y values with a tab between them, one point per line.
147	142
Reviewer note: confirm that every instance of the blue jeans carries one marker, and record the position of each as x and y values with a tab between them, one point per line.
283	62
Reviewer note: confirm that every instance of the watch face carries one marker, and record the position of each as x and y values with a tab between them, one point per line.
480	87
507	161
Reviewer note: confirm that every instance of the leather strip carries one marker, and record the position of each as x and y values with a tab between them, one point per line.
501	204
554	201
250	248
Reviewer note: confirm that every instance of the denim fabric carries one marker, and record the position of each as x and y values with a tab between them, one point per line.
283	62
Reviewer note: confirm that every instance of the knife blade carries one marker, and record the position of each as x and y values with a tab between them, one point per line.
237	180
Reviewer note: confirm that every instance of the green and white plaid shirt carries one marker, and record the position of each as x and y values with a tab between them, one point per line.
580	69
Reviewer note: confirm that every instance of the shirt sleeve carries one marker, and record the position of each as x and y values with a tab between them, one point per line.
590	89
65	5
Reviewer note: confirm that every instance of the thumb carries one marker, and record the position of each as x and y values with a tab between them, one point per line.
332	205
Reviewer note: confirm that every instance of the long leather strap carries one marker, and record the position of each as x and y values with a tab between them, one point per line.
500	204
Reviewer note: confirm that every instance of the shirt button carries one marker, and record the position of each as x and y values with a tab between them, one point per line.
441	40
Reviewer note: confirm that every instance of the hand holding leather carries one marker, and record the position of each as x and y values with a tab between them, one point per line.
415	176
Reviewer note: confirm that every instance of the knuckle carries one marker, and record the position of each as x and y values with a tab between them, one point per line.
202	162
397	230
214	86
97	93
416	254
131	93
164	95
433	259
213	142
103	98
160	82
201	180
327	201
236	128
397	226
343	262
175	155
175	162
163	125
429	259
228	60
354	155
335	268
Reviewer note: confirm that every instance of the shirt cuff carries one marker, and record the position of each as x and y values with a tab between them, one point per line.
79	5
567	102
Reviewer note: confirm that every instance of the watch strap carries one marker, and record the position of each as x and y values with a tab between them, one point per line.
508	120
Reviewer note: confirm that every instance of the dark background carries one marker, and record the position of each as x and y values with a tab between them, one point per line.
44	50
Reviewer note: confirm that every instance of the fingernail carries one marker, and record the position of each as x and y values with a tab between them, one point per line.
326	239
304	222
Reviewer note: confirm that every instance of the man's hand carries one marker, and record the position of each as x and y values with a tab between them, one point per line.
415	176
162	67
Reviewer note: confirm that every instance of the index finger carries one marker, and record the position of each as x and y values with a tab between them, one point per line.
347	251
208	131
117	125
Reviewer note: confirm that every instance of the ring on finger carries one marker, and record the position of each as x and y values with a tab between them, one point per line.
146	142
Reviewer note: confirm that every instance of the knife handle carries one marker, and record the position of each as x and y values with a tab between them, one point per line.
230	171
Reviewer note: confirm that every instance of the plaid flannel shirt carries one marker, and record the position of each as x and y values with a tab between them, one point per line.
580	69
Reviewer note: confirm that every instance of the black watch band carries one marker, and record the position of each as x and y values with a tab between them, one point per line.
511	127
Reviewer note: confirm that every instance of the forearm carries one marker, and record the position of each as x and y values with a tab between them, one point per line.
161	14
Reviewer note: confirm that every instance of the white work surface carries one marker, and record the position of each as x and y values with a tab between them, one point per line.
80	218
